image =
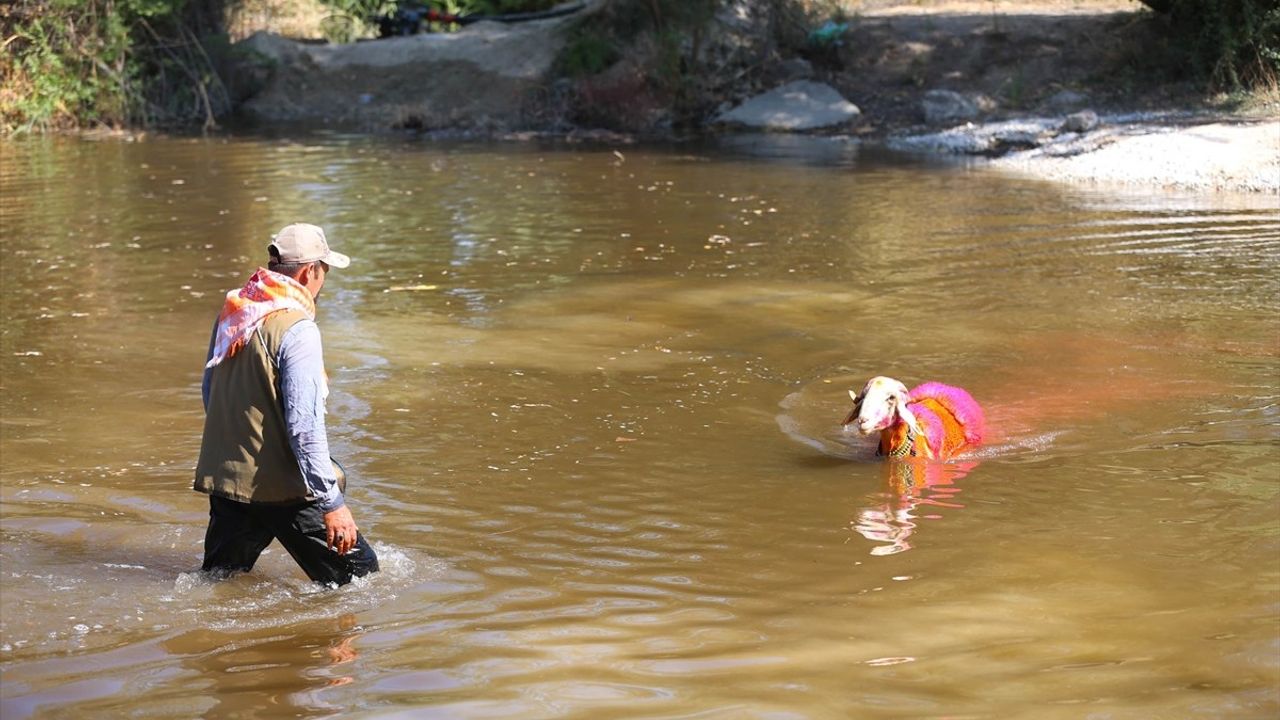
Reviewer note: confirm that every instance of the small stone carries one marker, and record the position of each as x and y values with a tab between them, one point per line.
1080	122
985	103
947	106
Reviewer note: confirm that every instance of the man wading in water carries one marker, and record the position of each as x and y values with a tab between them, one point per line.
264	460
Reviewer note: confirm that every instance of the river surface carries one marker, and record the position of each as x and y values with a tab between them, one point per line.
590	401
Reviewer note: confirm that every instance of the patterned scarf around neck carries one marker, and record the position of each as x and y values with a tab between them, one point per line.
246	309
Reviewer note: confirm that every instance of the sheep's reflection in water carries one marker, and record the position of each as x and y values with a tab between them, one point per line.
912	489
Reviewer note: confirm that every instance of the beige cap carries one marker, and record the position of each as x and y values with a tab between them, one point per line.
304	243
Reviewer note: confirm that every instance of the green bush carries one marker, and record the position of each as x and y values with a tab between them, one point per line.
353	19
63	64
1235	44
587	52
673	27
76	63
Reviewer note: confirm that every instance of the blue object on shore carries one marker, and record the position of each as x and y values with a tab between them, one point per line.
830	33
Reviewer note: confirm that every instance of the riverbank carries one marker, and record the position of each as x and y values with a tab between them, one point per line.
1063	91
1057	89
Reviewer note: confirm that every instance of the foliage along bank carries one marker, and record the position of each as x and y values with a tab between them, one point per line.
1233	44
117	63
77	64
74	64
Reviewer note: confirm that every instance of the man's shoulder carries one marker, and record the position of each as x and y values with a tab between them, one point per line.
288	328
286	319
286	323
300	333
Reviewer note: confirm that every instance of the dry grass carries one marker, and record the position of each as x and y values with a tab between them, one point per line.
299	19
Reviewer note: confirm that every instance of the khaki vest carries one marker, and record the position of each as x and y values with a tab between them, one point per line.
245	453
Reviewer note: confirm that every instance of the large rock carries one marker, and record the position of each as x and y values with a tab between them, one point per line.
479	77
947	106
796	106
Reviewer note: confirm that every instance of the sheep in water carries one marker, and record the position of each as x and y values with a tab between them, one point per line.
933	421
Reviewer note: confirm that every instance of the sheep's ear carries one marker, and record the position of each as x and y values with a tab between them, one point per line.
857	408
909	418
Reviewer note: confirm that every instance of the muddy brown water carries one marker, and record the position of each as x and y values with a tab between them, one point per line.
589	400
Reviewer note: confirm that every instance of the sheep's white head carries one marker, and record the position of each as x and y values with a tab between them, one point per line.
882	402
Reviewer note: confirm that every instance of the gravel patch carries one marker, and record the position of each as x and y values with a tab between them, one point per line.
1167	151
1218	156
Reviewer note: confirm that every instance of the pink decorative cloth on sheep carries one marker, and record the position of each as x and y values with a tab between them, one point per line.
951	419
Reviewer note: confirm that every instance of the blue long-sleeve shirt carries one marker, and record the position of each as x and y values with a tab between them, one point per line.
303	389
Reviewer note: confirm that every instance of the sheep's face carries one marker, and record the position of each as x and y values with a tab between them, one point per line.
878	406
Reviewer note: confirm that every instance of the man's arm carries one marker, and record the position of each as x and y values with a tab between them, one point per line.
303	388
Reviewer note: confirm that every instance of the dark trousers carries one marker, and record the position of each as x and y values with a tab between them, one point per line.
239	532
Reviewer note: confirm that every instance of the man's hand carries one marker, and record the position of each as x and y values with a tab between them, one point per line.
340	530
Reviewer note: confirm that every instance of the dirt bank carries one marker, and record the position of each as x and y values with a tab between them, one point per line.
989	62
1029	69
1006	57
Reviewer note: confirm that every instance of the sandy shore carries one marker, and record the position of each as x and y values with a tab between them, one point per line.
1173	151
1240	157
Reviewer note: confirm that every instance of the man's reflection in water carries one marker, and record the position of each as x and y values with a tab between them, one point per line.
910	485
342	651
285	671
